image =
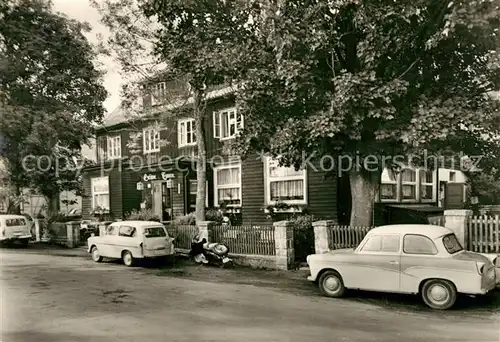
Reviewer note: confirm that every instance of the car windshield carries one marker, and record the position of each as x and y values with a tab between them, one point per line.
155	232
452	244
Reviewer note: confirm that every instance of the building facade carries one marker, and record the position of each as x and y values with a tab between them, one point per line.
151	165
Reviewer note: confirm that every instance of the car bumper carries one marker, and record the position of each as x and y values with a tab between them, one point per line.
158	253
311	278
15	238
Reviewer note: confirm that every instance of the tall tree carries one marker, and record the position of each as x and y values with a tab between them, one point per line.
365	80
51	94
194	40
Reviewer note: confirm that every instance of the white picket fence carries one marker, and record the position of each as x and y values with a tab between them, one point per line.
483	234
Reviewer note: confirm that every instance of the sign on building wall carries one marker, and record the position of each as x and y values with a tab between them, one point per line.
161	176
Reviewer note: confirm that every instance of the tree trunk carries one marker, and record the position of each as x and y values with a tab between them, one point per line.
14	202
201	163
52	204
364	186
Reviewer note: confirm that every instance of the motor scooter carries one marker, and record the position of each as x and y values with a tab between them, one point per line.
207	253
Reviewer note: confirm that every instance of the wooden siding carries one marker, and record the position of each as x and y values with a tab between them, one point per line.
252	192
115	191
322	194
131	197
86	199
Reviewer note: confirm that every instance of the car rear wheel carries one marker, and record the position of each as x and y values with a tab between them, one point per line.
439	294
95	254
127	258
331	284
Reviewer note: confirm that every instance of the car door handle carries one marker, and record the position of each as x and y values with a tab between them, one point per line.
393	262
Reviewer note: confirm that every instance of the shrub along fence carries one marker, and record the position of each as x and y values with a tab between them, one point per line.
183	235
62	233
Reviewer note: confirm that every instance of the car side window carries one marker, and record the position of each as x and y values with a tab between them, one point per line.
111	230
374	244
390	243
418	244
127	231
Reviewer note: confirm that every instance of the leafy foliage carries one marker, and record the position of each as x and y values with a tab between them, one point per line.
50	96
369	79
185	220
142	215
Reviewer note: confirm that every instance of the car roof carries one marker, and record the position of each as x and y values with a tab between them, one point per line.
429	230
138	224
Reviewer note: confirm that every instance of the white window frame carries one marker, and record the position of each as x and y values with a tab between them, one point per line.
93	193
421	183
218	120
114	147
217	187
154	135
268	179
196	192
183	133
395	182
415	184
399	188
158	93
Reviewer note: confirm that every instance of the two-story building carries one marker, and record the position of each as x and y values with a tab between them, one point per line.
150	164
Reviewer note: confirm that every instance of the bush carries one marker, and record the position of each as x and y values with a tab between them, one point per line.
214	215
186	220
142	215
303	235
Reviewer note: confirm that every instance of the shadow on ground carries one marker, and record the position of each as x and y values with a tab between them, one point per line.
295	282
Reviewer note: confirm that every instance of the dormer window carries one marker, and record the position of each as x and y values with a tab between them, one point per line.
227	123
158	93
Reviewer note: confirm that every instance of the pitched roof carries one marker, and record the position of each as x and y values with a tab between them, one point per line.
118	115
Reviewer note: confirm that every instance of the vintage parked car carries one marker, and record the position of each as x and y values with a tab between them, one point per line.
15	228
132	240
417	259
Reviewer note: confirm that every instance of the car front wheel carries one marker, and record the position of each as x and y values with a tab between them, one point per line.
331	284
95	254
439	294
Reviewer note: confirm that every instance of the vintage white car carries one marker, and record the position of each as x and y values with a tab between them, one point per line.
15	228
131	240
417	259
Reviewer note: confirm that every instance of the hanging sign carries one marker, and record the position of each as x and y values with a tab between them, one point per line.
139	186
170	184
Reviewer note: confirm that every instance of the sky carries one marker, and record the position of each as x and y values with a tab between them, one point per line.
82	11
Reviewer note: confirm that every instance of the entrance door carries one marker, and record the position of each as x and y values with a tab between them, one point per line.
166	200
157	199
454	196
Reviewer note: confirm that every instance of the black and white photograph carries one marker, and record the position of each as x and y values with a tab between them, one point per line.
250	170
